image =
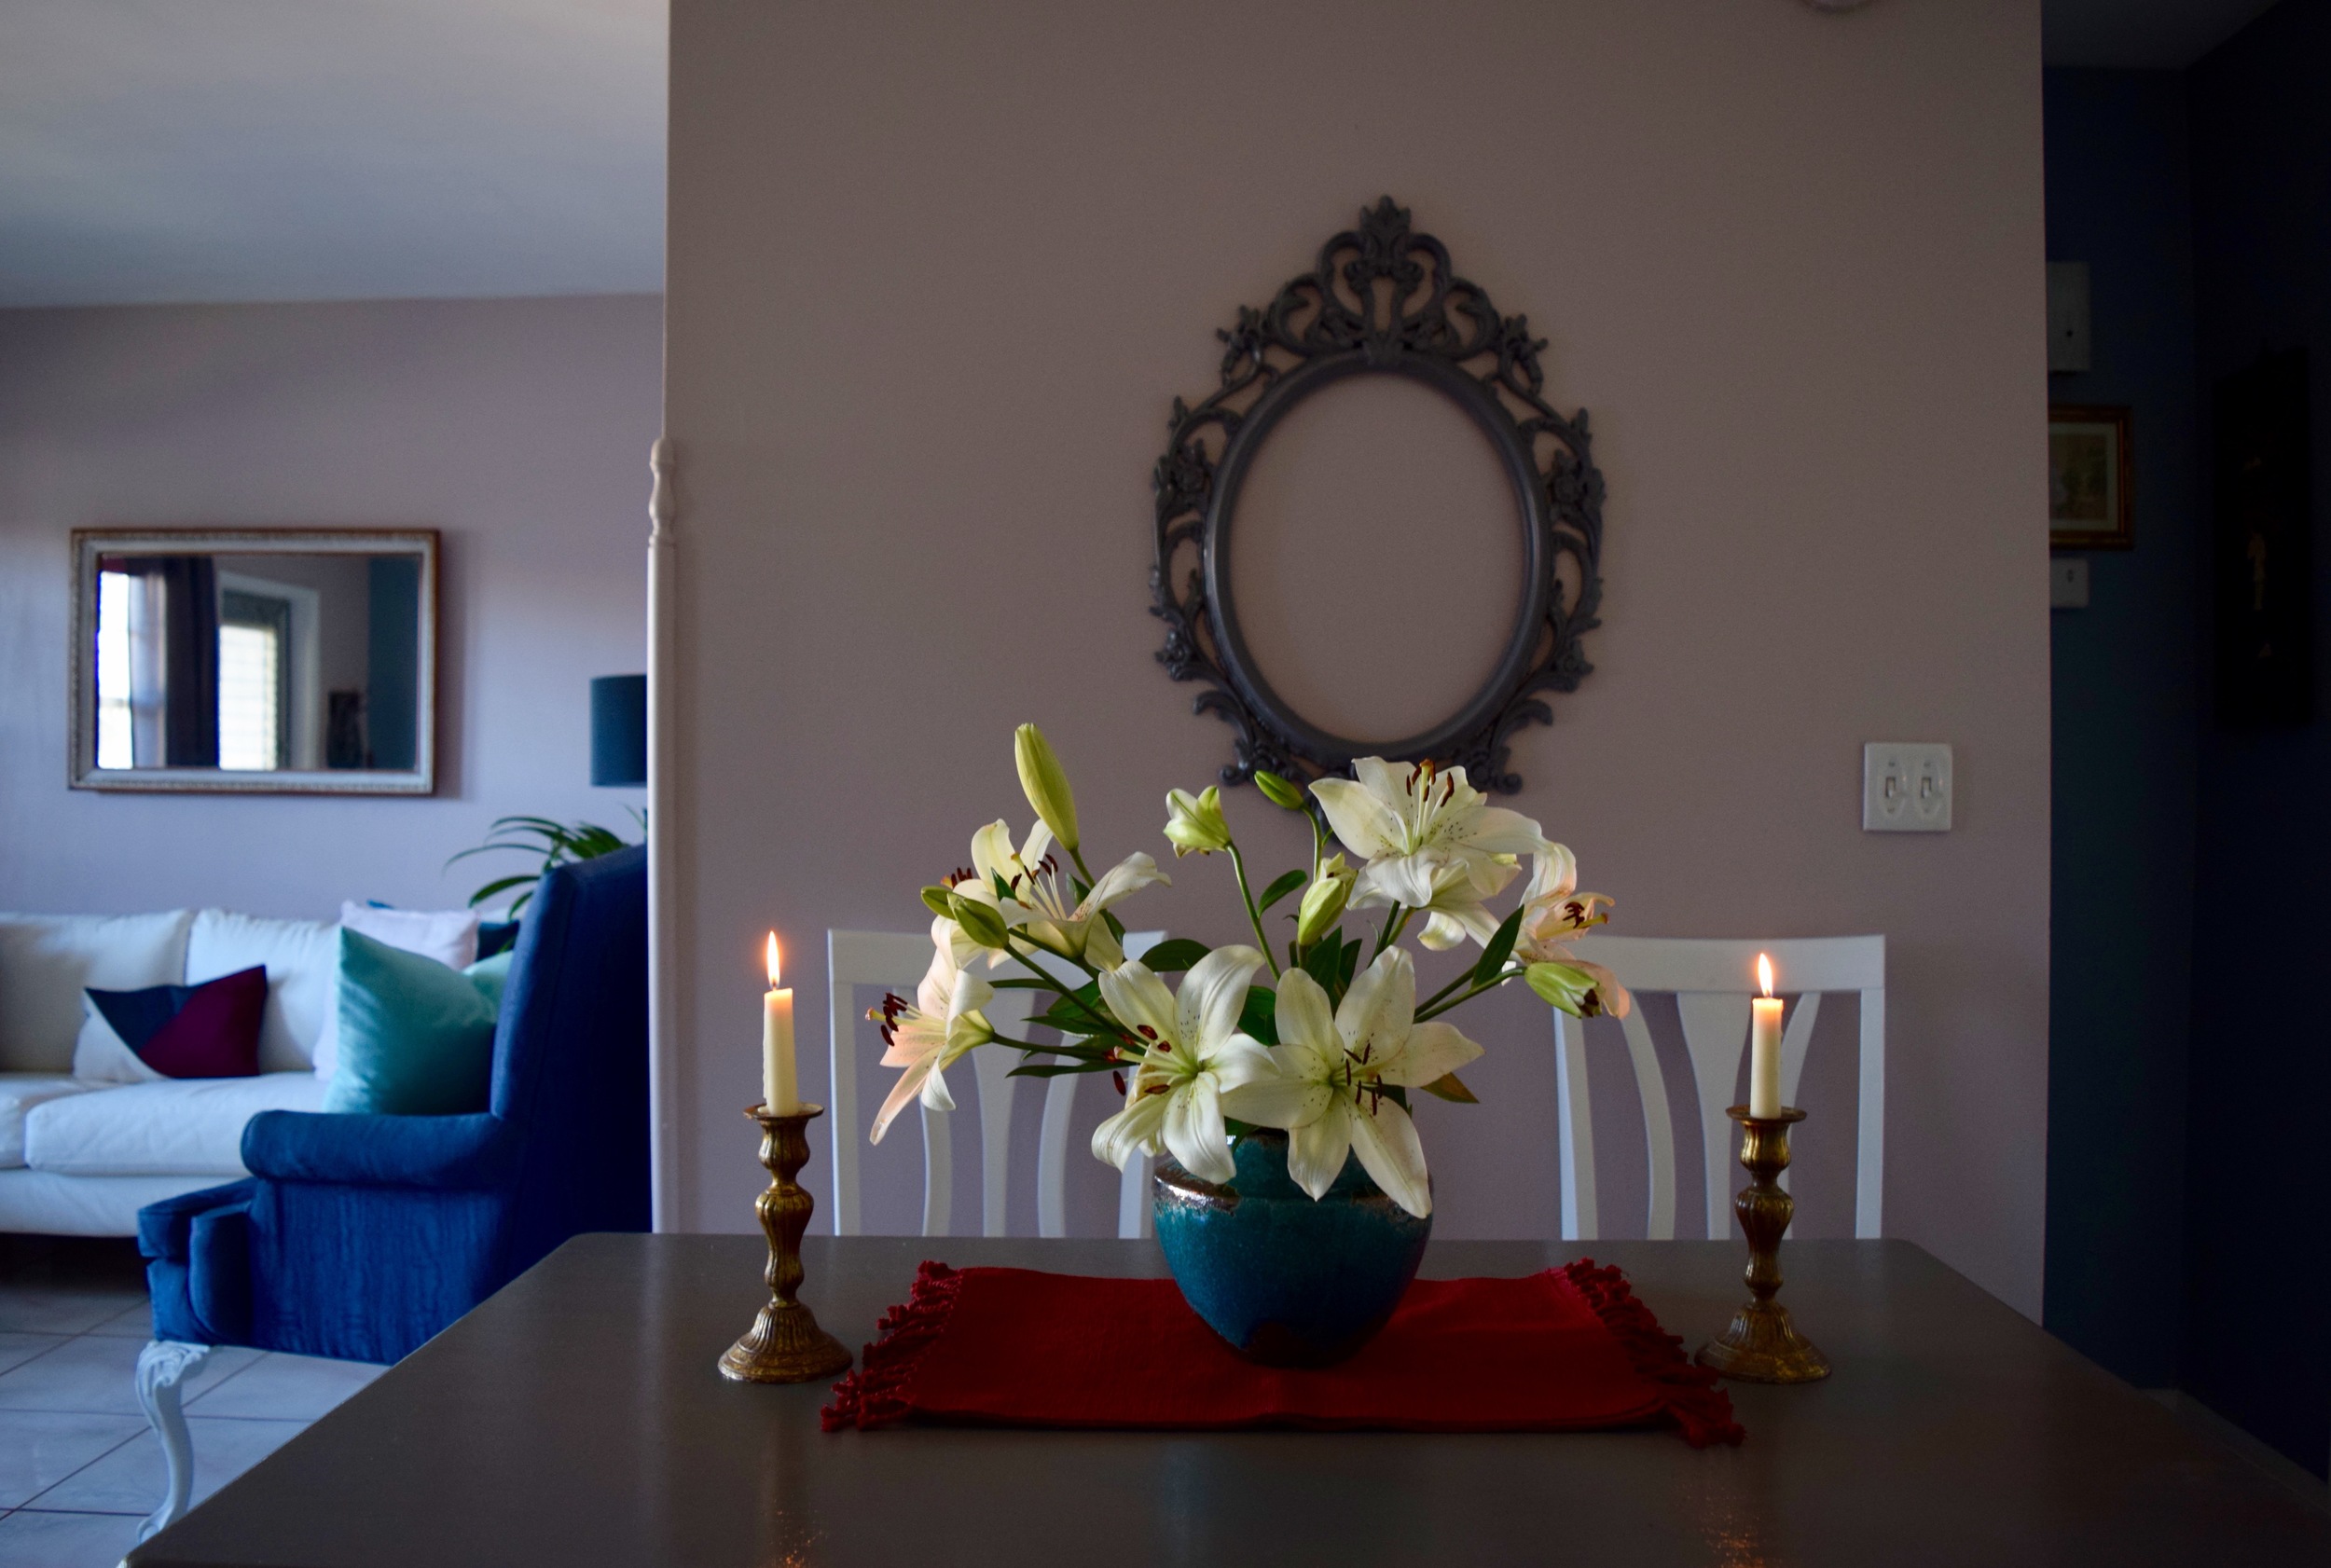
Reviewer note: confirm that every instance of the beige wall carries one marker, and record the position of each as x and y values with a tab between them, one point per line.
936	272
520	428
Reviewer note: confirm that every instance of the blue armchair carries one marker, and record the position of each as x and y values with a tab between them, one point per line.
359	1237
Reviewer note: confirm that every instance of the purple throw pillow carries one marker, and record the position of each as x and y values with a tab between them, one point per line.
210	1030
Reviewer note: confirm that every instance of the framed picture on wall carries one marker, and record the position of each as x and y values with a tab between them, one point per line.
2088	478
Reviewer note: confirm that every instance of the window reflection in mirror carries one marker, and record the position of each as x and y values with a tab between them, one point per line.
257	661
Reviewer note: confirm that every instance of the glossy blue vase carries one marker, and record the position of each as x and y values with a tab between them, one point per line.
1288	1281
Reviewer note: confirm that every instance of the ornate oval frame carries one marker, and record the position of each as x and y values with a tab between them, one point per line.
1383	300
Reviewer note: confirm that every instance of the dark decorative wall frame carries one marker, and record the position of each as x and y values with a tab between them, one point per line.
1383	300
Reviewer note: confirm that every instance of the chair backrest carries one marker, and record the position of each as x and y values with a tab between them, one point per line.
1711	982
570	1055
897	962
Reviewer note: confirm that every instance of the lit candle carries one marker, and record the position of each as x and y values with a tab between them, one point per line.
779	1090
1764	1045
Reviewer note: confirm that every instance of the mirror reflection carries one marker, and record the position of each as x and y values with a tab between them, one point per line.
246	663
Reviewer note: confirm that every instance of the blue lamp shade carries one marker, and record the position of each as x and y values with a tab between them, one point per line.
619	729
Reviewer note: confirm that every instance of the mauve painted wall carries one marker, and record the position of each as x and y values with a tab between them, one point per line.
520	428
937	272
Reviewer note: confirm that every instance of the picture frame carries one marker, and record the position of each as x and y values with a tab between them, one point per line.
2089	495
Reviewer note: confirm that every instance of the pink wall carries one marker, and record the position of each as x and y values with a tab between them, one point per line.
520	428
936	273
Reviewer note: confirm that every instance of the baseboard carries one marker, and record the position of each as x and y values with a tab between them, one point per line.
2294	1479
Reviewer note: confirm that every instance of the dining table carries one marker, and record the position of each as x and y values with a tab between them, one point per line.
578	1417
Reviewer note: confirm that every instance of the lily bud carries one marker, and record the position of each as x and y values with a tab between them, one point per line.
1278	790
939	901
1045	785
980	923
1323	901
1573	990
1196	822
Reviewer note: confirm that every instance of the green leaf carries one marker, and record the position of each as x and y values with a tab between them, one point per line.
1116	927
1501	947
1325	963
1351	967
1283	886
1174	953
1259	1019
502	885
1056	1069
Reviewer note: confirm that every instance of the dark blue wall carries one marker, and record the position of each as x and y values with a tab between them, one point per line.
2120	951
2257	1317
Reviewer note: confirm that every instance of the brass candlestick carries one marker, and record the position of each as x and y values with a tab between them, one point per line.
1762	1346
784	1343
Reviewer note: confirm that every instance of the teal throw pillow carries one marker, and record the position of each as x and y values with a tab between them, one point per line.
492	975
417	1038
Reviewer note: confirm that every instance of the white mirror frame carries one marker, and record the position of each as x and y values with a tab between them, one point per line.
81	769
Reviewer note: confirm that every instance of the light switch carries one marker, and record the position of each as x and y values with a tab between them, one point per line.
2067	317
2068	582
1906	788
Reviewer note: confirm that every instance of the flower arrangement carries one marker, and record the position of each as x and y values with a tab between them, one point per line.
1331	1050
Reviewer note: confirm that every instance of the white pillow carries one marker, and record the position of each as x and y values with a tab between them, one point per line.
48	960
448	935
301	1026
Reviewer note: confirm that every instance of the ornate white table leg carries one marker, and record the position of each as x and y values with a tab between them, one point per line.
162	1365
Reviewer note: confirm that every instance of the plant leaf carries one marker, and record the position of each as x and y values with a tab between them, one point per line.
1350	967
1259	1019
1448	1086
1174	953
1325	963
1283	886
1501	947
1054	1069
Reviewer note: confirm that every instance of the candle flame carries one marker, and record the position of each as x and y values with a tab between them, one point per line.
773	964
1764	971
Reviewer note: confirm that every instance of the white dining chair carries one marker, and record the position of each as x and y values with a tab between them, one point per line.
1711	982
897	962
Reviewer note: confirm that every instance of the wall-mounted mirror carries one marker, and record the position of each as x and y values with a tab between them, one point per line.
255	660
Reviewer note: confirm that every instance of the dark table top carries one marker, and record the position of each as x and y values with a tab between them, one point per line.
577	1419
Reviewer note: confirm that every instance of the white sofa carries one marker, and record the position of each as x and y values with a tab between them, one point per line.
87	1134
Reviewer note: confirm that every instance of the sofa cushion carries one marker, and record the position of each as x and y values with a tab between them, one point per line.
210	1030
302	960
18	1094
48	960
416	1037
176	1126
448	935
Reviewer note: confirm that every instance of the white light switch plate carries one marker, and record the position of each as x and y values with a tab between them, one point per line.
1906	788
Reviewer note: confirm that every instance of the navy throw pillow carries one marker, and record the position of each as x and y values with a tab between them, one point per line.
210	1030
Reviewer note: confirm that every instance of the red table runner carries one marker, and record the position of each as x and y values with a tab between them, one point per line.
1567	1350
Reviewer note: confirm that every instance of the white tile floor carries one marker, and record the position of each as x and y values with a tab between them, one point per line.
78	1467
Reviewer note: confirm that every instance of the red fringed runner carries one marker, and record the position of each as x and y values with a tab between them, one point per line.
1564	1351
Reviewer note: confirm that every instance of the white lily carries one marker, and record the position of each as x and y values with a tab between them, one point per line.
1333	1068
1555	914
1412	825
1456	906
943	1022
1038	901
1192	1056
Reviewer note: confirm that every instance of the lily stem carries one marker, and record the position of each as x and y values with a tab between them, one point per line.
1395	922
1254	915
1438	1007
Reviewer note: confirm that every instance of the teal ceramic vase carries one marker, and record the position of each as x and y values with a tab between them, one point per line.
1286	1281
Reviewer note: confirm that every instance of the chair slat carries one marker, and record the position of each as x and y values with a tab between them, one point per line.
1659	1126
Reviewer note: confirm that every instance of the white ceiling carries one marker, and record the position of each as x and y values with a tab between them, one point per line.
160	150
2140	35
156	150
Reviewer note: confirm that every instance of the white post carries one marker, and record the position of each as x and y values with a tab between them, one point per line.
665	948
